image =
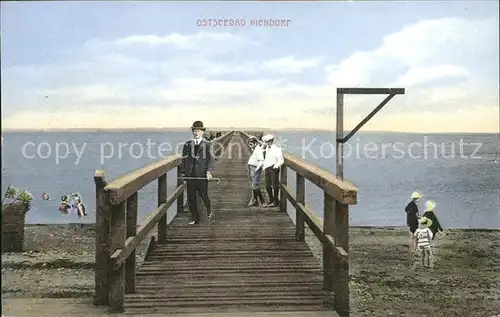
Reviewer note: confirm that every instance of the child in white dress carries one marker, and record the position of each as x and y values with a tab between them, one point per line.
423	240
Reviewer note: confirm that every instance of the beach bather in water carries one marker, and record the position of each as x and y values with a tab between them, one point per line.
72	203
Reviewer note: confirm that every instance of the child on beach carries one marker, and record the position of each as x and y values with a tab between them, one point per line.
429	212
424	237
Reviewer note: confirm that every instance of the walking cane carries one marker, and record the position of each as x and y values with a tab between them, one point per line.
214	179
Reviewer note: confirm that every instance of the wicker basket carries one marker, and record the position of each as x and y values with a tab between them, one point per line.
13	216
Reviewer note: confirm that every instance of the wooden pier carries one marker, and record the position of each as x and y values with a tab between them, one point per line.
246	260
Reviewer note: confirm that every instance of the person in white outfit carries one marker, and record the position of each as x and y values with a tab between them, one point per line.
424	237
273	159
255	163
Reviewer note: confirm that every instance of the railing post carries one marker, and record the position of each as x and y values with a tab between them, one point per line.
341	272
299	215
131	232
117	241
180	199
339	152
102	215
328	255
162	198
283	181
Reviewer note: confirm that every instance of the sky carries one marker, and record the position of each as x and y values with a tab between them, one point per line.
158	64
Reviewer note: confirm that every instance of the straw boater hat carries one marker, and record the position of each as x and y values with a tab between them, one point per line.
268	137
198	125
416	195
425	222
430	205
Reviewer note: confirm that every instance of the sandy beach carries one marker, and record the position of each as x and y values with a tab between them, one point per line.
58	263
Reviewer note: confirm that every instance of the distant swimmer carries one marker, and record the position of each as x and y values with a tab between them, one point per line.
72	203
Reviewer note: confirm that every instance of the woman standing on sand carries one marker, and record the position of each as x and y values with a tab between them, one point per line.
412	215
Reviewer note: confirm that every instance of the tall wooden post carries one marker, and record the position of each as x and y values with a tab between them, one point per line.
180	199
102	215
131	232
339	304
118	232
162	198
341	273
340	135
299	215
283	181
328	255
341	232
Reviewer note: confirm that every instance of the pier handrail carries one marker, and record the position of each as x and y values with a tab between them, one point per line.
117	235
332	231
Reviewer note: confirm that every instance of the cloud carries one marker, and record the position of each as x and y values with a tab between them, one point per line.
202	41
450	40
474	118
218	92
441	46
158	81
445	65
290	64
179	40
357	69
419	75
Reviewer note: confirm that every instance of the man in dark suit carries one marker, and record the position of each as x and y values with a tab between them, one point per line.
198	162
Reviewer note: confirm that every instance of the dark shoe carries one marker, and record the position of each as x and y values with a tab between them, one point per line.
271	203
276	195
253	201
260	197
269	190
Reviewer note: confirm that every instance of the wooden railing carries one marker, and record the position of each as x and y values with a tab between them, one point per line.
117	235
332	231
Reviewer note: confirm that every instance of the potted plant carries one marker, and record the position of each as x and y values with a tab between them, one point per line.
15	204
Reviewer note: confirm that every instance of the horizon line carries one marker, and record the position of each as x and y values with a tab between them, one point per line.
251	129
